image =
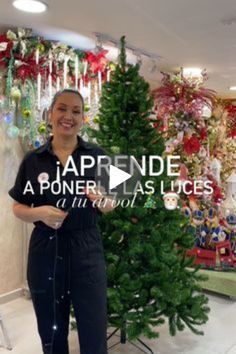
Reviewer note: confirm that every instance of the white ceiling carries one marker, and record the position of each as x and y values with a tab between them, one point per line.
183	32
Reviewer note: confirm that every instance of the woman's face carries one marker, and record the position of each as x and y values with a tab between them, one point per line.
66	116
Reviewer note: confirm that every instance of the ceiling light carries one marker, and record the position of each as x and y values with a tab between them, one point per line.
192	72
232	88
34	6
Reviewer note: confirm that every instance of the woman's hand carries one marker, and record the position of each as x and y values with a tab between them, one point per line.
94	194
51	216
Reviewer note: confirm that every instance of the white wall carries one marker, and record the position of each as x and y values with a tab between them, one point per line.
14	234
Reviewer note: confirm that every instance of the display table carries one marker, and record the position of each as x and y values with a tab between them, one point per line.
220	282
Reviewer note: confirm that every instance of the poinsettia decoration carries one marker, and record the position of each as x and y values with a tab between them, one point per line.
97	62
26	68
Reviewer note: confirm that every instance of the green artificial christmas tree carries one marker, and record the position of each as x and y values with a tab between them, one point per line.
149	278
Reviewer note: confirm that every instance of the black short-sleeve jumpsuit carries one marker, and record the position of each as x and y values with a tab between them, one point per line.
80	276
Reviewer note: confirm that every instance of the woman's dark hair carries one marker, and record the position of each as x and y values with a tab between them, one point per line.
59	93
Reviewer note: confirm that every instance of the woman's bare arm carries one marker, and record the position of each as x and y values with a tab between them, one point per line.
46	213
25	212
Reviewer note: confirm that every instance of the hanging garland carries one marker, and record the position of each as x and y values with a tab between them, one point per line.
36	68
26	50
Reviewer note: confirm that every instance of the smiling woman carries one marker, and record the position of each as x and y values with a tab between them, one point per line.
66	112
70	235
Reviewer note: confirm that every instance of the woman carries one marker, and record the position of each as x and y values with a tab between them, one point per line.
66	260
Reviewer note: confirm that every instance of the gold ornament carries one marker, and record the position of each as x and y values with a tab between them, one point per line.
86	108
96	119
42	128
15	93
112	66
26	113
41	48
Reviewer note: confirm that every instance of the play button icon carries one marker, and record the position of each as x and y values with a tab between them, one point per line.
117	176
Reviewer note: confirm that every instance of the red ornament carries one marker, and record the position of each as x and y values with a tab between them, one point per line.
231	120
217	195
233	133
191	145
203	134
134	220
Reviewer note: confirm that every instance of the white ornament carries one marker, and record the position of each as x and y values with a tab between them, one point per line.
202	152
76	71
84	92
180	136
121	239
65	71
85	67
108	75
38	90
81	85
215	169
89	93
100	80
206	112
18	63
228	206
37	56
61	57
58	84
231	181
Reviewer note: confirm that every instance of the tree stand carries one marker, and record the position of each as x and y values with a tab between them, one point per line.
123	340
